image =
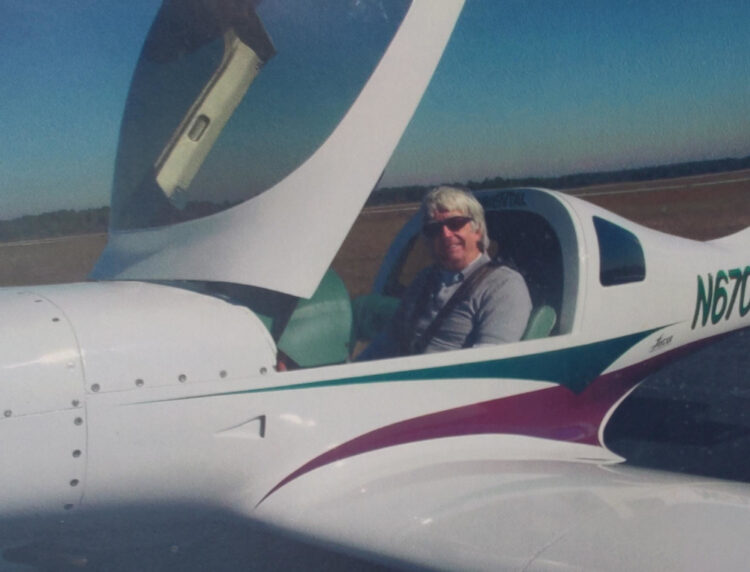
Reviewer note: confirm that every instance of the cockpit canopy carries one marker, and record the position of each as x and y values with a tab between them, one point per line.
228	98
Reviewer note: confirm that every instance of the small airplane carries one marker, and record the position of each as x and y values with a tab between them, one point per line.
152	396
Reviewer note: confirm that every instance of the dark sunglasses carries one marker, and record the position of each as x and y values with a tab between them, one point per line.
435	227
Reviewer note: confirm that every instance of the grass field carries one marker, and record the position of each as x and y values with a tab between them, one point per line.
701	207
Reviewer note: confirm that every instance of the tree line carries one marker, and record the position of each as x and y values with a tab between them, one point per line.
415	193
96	220
56	223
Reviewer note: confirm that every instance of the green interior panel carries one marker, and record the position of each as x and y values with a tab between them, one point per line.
319	329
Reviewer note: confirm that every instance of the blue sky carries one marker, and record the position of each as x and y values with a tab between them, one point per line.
526	88
556	86
66	67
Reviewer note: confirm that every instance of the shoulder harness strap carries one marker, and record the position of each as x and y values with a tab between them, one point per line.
412	344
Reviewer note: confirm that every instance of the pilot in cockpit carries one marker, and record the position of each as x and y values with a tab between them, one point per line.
465	299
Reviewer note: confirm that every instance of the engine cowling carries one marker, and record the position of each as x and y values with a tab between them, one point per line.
63	344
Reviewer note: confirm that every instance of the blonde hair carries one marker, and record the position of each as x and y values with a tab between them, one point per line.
445	198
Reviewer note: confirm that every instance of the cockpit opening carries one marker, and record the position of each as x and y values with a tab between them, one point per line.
536	238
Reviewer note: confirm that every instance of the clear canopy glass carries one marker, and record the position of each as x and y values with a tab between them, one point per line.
201	132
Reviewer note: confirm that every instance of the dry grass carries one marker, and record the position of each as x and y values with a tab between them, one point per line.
49	261
702	208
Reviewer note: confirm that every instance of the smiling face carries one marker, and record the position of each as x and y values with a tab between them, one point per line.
453	248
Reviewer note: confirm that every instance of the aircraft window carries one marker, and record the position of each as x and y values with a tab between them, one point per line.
621	259
320	58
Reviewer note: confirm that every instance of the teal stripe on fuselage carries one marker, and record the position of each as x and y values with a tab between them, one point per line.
574	368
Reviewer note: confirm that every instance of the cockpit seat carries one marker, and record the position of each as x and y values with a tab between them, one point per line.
318	331
372	313
541	322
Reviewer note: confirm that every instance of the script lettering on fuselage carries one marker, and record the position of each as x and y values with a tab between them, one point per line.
661	343
720	296
508	199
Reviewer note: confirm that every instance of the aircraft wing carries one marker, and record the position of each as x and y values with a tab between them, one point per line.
473	512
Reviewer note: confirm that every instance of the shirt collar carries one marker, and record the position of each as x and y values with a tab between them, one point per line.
450	277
